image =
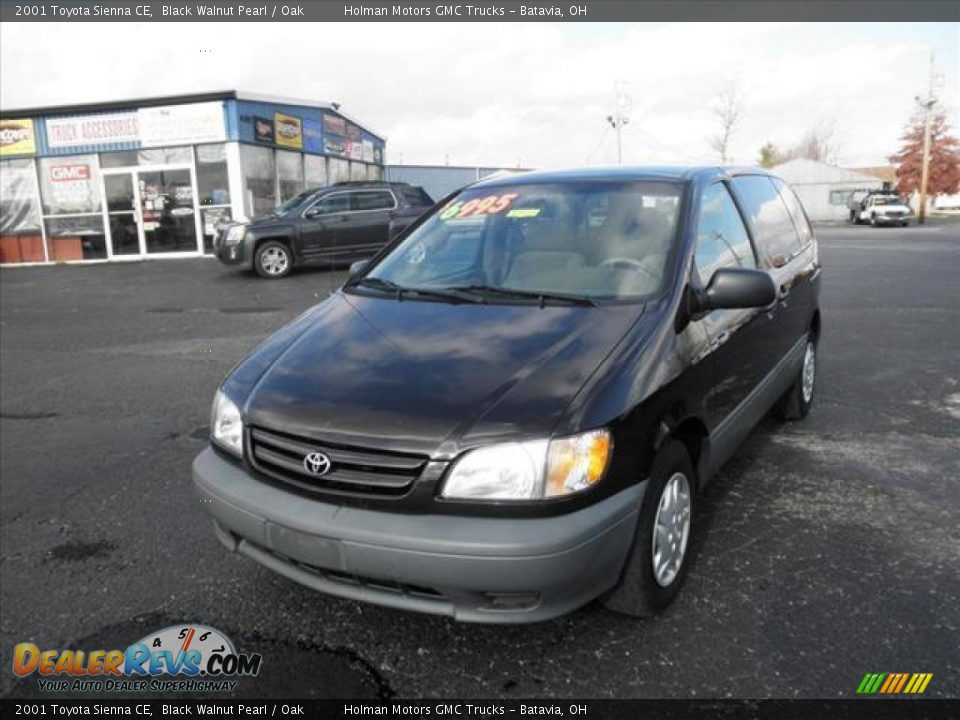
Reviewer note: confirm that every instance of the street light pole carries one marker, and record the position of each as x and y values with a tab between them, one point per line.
619	119
927	105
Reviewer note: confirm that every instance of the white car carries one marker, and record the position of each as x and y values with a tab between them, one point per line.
878	209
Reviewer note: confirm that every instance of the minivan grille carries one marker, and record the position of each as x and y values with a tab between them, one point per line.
353	470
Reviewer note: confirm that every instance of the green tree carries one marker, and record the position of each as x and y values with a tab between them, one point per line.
770	156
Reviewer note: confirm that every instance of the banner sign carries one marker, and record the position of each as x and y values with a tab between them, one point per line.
288	131
334	124
263	130
312	136
151	127
181	124
67	132
17	137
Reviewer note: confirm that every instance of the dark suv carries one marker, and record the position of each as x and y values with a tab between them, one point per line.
337	224
511	409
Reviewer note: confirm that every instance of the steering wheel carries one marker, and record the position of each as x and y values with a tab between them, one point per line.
630	262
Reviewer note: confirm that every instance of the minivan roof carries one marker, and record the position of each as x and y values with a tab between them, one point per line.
669	173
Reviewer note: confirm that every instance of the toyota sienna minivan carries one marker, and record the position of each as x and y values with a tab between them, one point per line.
511	409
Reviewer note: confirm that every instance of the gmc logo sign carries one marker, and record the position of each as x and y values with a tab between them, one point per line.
67	173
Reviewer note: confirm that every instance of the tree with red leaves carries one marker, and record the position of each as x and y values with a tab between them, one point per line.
944	177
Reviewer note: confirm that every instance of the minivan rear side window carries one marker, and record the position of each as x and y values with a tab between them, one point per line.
776	236
722	239
795	209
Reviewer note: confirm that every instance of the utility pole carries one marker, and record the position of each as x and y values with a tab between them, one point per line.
619	119
927	105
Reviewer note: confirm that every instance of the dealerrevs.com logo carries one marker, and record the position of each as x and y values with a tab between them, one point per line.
180	658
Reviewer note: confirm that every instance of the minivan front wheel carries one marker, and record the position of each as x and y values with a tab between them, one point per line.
796	402
659	558
273	260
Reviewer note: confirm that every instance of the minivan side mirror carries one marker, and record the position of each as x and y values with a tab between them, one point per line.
358	267
737	288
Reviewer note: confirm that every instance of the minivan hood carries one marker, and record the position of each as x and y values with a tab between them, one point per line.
426	377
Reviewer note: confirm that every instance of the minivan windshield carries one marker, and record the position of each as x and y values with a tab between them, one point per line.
589	240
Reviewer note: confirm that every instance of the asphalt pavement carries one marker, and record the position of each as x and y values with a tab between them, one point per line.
825	550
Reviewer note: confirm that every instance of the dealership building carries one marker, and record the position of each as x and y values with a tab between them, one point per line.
154	177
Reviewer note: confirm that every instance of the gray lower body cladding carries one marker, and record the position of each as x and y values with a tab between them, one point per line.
492	570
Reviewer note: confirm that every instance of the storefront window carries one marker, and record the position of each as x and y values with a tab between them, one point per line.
76	238
315	170
289	174
147	156
339	170
259	192
70	185
212	180
20	234
165	156
125	158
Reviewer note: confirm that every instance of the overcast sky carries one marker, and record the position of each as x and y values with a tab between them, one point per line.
534	95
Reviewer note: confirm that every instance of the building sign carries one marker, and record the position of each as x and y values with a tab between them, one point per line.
151	127
16	137
69	173
181	124
288	131
312	135
66	132
262	130
334	124
68	187
354	150
334	146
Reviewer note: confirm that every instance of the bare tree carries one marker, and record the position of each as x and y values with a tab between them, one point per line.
818	143
727	110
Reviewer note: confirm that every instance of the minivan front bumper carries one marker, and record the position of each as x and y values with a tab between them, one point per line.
491	570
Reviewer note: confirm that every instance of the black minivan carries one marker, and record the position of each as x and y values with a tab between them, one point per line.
511	409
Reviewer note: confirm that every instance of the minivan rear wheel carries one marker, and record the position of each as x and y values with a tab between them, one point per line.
658	560
796	402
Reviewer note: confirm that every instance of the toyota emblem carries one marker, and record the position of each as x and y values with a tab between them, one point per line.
316	463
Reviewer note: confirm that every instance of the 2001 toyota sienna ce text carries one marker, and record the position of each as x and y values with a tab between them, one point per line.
510	410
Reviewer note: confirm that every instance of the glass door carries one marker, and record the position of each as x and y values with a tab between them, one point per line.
167	211
122	213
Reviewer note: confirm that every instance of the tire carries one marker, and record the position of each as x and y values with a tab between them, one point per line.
904	223
873	220
640	593
796	402
273	260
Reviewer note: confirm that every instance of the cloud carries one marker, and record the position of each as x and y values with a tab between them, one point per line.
508	94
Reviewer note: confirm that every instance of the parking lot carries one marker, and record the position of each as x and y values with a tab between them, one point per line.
825	550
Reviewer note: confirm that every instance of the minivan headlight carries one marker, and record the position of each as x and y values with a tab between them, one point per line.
226	425
531	470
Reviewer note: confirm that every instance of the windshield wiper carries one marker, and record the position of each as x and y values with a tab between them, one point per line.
390	286
539	295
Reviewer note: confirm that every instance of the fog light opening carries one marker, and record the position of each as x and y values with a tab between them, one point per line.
511	600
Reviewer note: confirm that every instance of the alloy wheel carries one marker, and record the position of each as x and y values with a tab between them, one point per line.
809	373
274	261
671	529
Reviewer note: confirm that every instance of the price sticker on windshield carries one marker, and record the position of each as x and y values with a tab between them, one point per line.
489	205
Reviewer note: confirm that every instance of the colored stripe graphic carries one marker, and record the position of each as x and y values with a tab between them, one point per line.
894	683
